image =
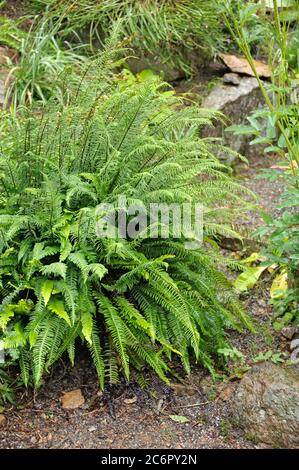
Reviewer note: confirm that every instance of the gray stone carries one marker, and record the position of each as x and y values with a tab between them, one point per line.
231	78
1	93
267	404
289	332
236	103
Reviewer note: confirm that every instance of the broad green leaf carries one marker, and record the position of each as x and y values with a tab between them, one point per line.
57	269
6	314
86	320
253	257
146	75
242	129
46	290
279	285
97	269
15	338
57	307
248	278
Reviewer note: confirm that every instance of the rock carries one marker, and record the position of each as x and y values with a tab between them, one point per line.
72	400
182	390
2	421
225	393
267	404
240	65
1	93
236	103
294	344
7	54
231	78
288	332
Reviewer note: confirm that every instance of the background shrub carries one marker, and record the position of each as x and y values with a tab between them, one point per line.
171	32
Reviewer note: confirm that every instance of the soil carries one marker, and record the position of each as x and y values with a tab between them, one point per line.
14	9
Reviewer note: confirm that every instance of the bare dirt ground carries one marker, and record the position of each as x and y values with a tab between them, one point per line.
130	417
14	9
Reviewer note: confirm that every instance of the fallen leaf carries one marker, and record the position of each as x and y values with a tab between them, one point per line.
130	401
225	393
289	332
182	390
292	165
6	54
72	400
2	420
179	419
279	285
240	65
160	403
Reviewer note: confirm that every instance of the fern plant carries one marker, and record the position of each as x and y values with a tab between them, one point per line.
133	302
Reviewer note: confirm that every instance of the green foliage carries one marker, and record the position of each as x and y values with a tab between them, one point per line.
281	96
275	357
133	302
231	353
293	47
165	29
38	74
283	251
251	273
281	137
6	389
10	34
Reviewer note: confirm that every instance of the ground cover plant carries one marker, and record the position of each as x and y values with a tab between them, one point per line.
281	137
36	75
168	31
133	302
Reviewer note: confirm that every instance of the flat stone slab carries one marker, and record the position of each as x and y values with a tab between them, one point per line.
1	93
267	404
222	95
236	102
240	65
